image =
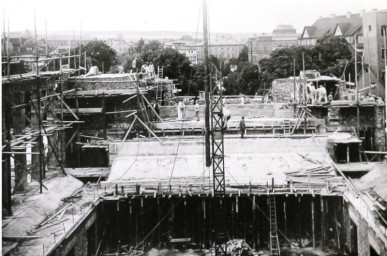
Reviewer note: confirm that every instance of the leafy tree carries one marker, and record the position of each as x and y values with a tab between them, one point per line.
231	84
246	81
328	56
175	64
151	50
244	54
186	38
139	46
99	52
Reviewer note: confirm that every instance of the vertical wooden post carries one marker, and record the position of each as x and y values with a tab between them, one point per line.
322	238
142	223
40	139
254	223
204	222
237	215
77	125
299	218
130	222
211	220
294	78
313	227
118	226
20	166
104	116
285	219
158	219
171	220
6	165
185	219
206	85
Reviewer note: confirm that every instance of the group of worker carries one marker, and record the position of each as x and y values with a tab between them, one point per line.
181	111
314	95
146	70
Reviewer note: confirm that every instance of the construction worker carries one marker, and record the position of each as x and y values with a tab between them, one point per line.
321	92
180	110
226	117
197	111
134	65
184	108
242	126
151	70
330	97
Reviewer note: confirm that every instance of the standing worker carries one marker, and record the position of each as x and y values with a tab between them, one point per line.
184	109
197	111
151	70
134	65
242	126
180	110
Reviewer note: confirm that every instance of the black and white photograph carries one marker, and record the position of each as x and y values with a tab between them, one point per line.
194	127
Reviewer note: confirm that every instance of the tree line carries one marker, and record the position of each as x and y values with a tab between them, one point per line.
330	56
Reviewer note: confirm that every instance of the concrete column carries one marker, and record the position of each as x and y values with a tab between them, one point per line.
347	227
81	245
379	135
35	169
363	244
19	123
6	163
52	163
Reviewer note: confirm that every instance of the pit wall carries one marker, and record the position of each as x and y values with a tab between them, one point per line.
102	82
275	110
370	232
344	119
283	89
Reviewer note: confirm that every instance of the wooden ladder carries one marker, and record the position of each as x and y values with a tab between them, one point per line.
274	242
160	71
287	127
159	93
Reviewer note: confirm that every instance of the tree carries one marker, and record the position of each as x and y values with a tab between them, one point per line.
100	54
150	50
244	54
139	46
328	56
186	38
246	81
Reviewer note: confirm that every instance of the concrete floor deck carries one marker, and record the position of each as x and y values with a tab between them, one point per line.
252	161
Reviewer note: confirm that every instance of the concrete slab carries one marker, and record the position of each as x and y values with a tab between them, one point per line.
254	160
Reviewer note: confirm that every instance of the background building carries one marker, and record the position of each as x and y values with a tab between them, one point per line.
184	48
263	45
364	31
195	52
121	46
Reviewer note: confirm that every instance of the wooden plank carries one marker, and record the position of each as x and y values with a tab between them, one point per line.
89	172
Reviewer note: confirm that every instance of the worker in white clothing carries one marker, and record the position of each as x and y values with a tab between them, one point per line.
180	110
226	117
321	92
197	108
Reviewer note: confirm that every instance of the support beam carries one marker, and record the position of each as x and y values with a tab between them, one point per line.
20	159
149	130
154	111
68	108
322	219
6	159
313	224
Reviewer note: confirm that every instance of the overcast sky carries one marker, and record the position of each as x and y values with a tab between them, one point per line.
233	16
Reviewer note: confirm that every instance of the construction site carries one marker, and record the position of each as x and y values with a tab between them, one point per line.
90	165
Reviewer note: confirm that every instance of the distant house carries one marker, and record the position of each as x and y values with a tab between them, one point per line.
188	50
121	46
349	26
263	45
365	31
